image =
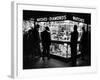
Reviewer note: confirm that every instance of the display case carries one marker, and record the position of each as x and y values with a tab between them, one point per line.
61	35
60	30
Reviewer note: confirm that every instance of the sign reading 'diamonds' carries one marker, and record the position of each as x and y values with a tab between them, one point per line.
57	18
52	18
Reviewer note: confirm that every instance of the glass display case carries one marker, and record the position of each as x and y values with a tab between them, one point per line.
60	34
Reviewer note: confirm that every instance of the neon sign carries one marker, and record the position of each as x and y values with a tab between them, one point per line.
78	19
41	19
57	18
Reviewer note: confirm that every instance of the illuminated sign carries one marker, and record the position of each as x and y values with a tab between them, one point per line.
52	18
78	19
41	19
57	18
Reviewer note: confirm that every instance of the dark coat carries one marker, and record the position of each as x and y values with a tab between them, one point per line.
74	37
46	38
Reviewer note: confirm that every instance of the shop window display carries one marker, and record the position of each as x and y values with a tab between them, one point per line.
60	34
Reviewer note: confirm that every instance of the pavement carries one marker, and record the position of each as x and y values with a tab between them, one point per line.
38	63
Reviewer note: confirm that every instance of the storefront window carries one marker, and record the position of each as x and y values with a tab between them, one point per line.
60	34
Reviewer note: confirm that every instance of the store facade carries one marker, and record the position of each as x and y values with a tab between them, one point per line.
60	29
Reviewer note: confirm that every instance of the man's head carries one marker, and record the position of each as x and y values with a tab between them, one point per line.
37	27
83	28
47	28
75	27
